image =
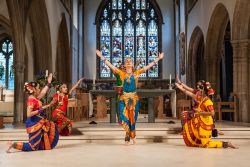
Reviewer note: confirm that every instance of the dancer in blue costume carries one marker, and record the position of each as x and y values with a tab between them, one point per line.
43	134
128	100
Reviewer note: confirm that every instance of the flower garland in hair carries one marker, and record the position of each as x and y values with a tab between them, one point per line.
28	87
209	88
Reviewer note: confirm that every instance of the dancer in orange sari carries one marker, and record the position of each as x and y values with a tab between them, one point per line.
43	134
197	131
60	99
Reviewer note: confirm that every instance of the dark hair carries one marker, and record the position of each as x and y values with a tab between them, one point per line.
29	87
206	86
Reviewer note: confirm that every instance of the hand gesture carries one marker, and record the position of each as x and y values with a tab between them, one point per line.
161	55
178	85
45	107
50	77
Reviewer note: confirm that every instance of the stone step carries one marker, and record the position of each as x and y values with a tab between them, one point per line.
98	134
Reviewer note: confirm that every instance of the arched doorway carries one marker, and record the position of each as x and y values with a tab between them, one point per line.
63	59
195	66
226	65
214	45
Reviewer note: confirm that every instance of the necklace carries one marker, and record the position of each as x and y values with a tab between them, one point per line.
60	102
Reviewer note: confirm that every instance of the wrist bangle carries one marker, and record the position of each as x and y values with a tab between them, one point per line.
40	110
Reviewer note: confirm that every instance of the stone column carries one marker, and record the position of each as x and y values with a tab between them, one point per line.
241	76
19	100
17	17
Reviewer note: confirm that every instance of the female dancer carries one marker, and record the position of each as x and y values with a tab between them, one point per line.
187	115
197	131
43	134
128	100
60	99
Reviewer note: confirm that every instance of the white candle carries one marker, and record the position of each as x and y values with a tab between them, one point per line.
94	77
46	73
170	80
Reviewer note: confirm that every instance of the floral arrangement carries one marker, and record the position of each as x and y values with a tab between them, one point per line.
41	79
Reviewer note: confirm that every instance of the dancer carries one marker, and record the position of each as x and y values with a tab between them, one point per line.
128	100
197	132
60	99
187	115
43	134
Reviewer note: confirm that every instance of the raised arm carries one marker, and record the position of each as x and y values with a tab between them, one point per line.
184	85
161	55
46	87
99	54
75	86
191	94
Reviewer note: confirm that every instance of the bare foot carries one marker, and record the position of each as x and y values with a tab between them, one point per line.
232	146
10	146
220	132
126	143
134	141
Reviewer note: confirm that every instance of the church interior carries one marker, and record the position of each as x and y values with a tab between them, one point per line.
201	40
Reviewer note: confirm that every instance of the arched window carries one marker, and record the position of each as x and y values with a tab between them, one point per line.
6	64
129	28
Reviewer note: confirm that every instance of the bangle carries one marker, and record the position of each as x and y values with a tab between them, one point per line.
40	110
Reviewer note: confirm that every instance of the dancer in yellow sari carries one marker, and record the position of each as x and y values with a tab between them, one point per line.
197	132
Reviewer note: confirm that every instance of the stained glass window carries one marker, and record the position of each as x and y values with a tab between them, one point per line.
129	28
6	64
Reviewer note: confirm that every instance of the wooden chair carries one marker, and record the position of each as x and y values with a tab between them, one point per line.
84	100
183	105
1	122
228	107
74	107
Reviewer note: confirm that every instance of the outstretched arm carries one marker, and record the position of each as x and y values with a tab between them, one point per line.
161	55
75	86
184	85
191	94
99	54
46	88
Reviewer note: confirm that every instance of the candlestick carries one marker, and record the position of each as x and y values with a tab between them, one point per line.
46	73
170	84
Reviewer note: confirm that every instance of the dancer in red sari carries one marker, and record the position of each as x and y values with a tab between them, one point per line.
60	100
